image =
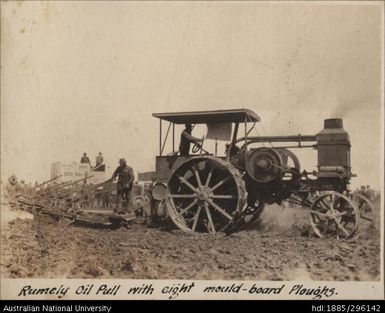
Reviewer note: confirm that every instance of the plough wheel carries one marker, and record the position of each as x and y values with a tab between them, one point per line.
365	207
204	194
334	214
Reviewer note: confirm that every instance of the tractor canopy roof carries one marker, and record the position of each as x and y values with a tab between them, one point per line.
205	117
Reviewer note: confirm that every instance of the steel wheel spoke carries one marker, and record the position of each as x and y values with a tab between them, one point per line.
220	210
197	176
209	176
222	197
319	219
182	196
318	213
196	217
209	217
220	183
343	229
188	207
327	206
332	197
183	180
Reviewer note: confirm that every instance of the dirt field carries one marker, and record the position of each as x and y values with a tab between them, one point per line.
283	249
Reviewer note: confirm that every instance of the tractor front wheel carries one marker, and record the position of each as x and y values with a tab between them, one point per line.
333	214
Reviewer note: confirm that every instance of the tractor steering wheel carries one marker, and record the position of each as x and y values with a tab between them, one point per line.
196	147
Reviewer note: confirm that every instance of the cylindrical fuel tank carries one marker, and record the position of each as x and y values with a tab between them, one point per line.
333	145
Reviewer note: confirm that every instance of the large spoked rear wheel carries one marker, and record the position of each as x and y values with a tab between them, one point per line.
334	214
204	194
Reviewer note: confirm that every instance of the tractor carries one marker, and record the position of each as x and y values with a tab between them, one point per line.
208	193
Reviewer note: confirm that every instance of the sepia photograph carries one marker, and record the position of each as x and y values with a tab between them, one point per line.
197	149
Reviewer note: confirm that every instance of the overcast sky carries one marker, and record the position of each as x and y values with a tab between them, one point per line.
86	76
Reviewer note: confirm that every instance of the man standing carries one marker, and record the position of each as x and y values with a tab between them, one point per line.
370	193
85	159
99	166
99	159
126	178
186	139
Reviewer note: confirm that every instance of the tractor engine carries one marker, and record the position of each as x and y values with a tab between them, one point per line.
269	176
272	174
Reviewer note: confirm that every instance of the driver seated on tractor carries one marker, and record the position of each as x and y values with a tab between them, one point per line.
186	139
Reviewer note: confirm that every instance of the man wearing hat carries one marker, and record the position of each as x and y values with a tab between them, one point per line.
85	159
126	178
99	166
186	139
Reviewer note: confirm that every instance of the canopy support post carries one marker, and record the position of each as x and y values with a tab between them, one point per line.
216	147
160	137
165	138
173	137
245	142
235	134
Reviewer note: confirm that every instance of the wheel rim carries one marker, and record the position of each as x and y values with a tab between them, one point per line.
203	195
334	214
